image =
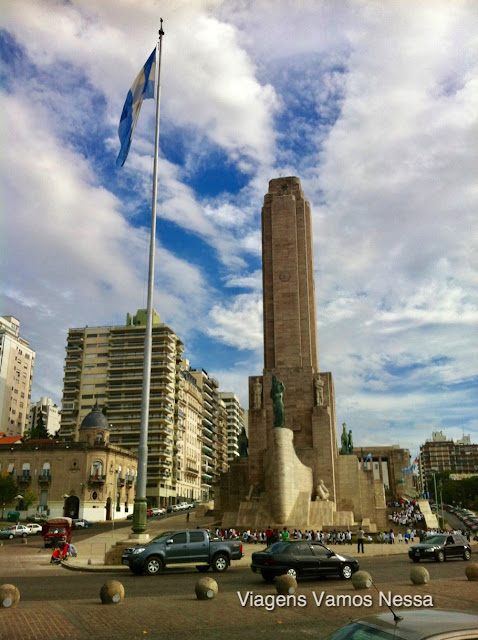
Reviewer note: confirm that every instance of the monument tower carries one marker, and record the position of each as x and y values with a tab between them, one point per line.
295	473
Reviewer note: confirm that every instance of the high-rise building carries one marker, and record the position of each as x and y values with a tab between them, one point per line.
105	364
44	414
442	454
214	433
16	374
189	413
235	422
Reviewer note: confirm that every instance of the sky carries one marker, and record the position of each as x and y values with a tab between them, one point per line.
372	104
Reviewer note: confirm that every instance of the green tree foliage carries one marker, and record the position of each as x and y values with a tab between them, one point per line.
461	492
8	488
29	498
38	431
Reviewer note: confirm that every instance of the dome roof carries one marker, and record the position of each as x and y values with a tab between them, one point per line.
95	419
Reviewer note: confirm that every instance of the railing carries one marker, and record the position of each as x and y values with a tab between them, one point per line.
97	478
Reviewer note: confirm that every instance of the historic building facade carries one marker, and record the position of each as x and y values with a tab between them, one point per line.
89	478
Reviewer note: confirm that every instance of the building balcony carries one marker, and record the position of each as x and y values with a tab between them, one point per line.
97	478
24	479
191	469
44	479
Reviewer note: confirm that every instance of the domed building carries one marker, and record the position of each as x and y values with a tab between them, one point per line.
89	479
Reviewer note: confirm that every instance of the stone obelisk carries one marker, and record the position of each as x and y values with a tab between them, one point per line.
291	354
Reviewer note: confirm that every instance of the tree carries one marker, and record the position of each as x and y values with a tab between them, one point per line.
29	497
8	488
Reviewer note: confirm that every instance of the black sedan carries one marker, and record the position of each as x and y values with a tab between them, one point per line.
440	547
301	559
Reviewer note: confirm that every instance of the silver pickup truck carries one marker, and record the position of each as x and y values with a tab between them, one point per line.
180	547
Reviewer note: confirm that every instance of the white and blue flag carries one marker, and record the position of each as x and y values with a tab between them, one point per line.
142	87
368	458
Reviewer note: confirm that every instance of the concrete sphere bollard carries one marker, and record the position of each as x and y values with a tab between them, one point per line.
362	580
9	595
206	588
24	540
471	571
419	575
286	585
112	592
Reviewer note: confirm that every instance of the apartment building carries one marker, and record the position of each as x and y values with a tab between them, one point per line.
44	414
214	433
16	374
443	454
234	422
105	365
189	409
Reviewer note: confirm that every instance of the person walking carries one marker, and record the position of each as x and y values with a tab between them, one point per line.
360	537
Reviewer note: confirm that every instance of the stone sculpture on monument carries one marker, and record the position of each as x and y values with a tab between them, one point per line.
277	395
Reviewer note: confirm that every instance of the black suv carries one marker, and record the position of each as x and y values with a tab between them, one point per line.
440	547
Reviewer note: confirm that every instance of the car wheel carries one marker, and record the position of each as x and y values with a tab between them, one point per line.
24	535
10	536
466	554
220	563
268	577
440	556
203	568
346	572
291	572
153	566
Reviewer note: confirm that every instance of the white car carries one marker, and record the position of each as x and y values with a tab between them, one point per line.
34	529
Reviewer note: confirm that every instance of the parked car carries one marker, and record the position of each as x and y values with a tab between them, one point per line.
440	547
302	559
179	547
14	531
156	511
34	528
81	523
413	624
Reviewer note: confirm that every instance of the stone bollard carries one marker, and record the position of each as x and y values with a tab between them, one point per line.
286	585
9	595
112	592
206	588
24	540
471	571
362	580
419	575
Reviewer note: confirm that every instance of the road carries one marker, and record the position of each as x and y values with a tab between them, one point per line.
66	604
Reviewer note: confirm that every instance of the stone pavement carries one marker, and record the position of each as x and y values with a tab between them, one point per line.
180	616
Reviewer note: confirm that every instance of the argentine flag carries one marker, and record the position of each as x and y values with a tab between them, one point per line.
143	87
368	458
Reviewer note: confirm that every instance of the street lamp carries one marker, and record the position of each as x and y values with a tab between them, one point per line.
115	499
19	497
65	496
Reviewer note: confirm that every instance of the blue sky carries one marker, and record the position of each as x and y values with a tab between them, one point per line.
373	105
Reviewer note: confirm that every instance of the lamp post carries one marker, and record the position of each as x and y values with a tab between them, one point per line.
115	499
65	496
19	497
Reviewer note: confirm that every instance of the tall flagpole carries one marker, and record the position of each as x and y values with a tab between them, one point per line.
140	503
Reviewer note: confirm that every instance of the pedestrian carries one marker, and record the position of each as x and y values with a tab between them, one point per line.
55	556
187	517
360	537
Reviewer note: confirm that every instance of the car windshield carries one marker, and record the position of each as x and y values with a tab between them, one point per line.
358	631
163	537
435	540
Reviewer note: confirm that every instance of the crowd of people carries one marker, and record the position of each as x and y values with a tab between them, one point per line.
408	515
270	535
